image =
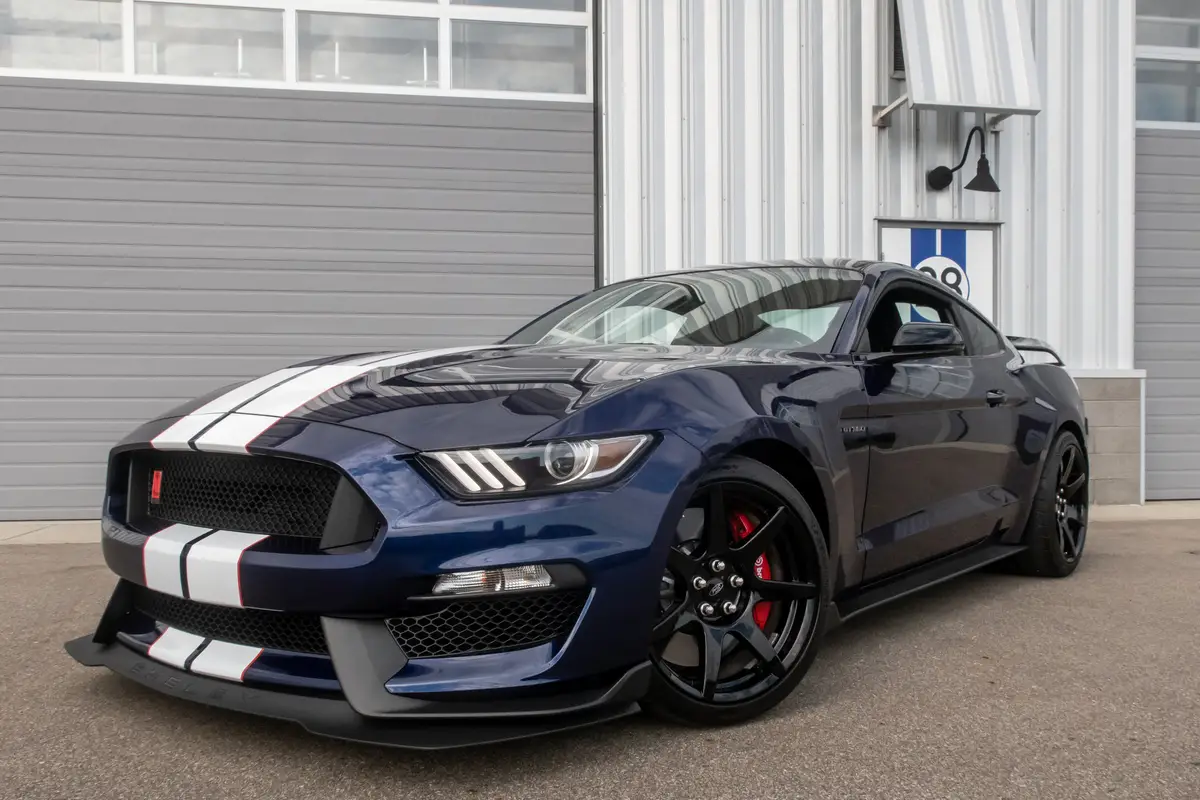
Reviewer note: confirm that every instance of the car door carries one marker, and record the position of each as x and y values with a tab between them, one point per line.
937	430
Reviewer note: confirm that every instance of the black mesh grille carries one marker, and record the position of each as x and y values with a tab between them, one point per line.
254	494
296	633
465	627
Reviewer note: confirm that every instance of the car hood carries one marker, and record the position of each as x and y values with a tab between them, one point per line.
477	396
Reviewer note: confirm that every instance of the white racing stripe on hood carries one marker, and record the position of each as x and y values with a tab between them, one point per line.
235	432
284	399
185	429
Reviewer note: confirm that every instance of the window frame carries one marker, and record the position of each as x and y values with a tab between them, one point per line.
444	11
961	311
900	284
1146	53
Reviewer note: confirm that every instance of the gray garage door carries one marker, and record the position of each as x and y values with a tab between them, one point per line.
158	242
1167	335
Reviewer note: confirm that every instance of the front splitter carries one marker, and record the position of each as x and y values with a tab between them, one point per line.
332	716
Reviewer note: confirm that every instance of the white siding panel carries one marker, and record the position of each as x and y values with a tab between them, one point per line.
734	131
768	151
1066	179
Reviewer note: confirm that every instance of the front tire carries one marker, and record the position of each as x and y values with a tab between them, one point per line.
743	600
1057	527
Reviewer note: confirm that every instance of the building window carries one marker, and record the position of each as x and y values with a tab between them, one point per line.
477	48
1168	65
378	51
509	57
539	5
77	35
209	42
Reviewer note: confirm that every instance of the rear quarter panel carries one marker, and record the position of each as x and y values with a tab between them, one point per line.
1054	403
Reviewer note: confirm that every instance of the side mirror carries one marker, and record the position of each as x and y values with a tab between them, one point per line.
928	339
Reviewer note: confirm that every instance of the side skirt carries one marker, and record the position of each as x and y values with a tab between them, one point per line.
868	597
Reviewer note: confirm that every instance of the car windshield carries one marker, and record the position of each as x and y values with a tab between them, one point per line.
768	307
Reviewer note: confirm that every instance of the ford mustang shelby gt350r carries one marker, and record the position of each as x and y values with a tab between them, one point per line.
658	495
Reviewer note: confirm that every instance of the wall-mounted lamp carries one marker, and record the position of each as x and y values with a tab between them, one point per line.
939	178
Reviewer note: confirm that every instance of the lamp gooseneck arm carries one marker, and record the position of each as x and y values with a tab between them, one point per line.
967	149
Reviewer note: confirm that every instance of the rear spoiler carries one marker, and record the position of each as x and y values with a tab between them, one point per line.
1027	345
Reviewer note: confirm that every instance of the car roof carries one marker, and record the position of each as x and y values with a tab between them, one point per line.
861	266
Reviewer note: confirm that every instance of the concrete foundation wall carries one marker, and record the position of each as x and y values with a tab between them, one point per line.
1114	410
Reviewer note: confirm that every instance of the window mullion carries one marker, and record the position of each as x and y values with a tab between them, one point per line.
444	54
291	44
128	42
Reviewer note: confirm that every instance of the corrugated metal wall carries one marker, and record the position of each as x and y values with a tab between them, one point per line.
1066	179
159	242
1168	308
741	129
735	130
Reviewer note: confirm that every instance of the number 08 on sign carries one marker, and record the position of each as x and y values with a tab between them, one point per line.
961	259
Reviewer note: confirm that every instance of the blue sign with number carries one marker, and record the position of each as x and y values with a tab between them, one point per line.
941	253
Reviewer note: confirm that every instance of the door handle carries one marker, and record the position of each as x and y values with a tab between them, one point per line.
995	397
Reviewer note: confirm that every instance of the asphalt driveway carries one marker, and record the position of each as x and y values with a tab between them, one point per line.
991	687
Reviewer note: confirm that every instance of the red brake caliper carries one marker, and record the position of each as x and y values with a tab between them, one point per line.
743	527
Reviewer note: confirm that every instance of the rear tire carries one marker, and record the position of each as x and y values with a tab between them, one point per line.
1057	528
750	659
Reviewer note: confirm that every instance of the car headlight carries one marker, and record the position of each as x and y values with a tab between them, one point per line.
532	468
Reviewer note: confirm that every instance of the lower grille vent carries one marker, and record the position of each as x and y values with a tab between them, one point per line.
270	630
487	625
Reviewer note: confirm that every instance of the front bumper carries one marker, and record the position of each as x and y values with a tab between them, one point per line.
335	717
363	683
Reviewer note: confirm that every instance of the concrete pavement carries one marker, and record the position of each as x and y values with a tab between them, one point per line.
992	686
72	532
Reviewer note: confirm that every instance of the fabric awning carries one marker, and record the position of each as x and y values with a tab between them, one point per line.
969	55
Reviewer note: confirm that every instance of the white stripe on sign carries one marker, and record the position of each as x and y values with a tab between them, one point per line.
185	429
161	557
225	660
213	564
234	433
175	647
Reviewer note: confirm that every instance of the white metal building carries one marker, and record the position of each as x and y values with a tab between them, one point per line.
195	191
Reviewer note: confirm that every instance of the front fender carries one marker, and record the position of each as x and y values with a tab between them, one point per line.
720	410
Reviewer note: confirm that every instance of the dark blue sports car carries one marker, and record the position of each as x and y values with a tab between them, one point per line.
659	495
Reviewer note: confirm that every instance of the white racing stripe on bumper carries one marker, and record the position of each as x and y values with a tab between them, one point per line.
225	660
175	647
185	429
213	564
161	557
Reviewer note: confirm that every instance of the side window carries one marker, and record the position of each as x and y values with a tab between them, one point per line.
981	339
904	303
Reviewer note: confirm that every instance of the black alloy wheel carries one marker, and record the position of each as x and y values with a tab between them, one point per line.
1056	532
741	598
1071	501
